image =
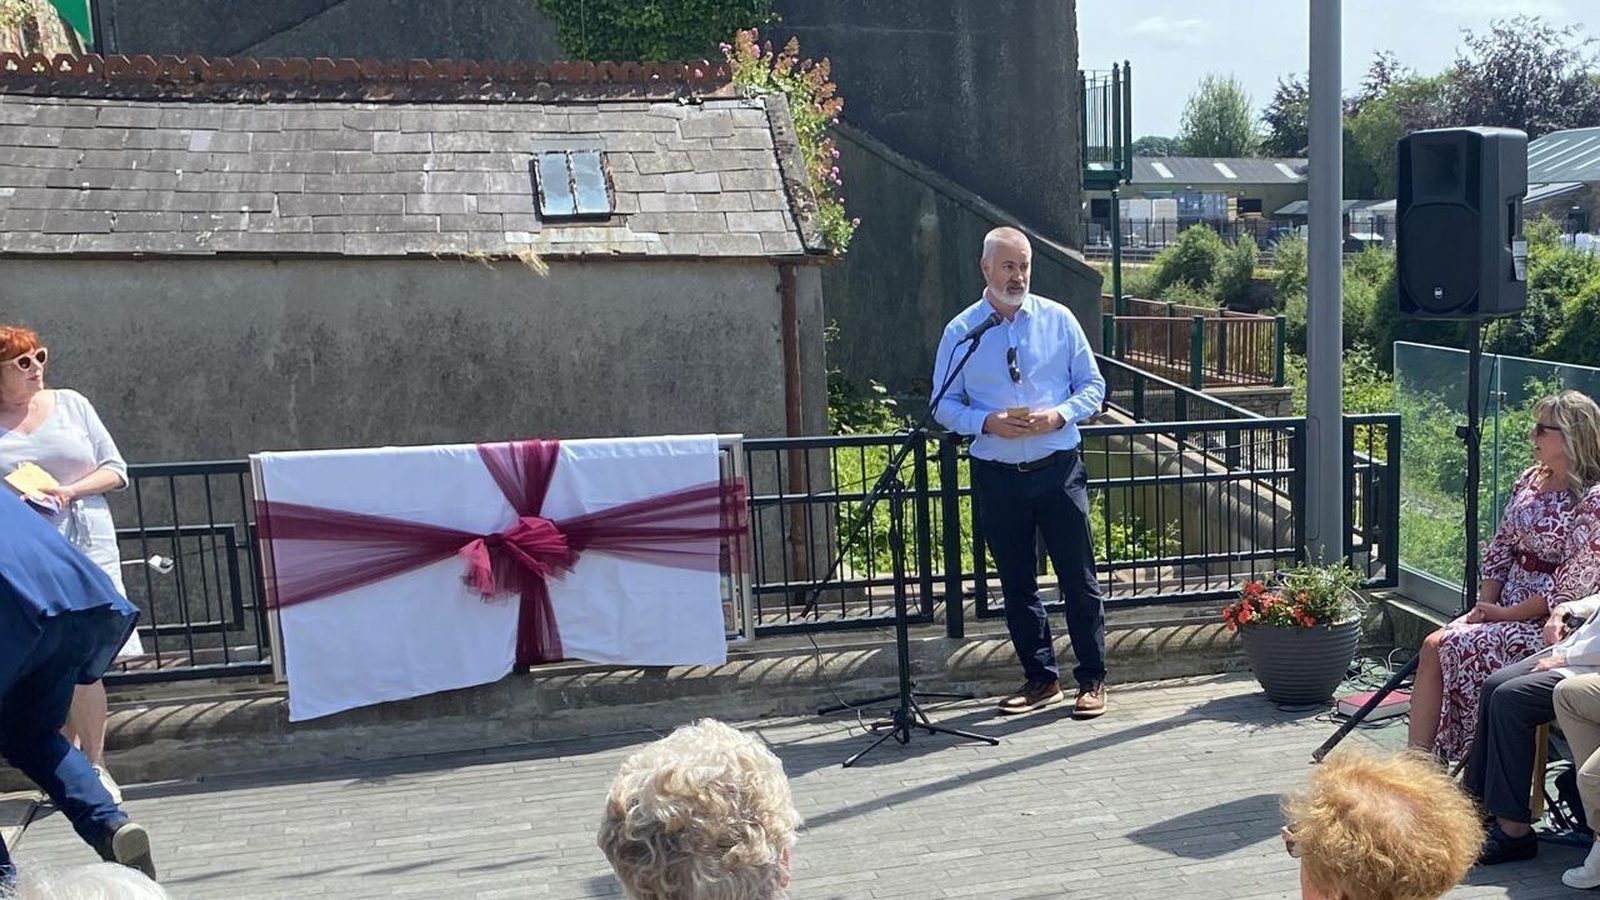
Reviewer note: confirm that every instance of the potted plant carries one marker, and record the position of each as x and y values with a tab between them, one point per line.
1301	634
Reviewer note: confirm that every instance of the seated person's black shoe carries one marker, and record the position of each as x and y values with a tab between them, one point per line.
1502	848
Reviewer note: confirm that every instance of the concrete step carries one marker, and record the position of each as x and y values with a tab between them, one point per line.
192	730
16	811
197	729
1410	621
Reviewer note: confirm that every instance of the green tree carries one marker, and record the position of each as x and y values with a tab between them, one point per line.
651	30
1577	340
1155	145
1235	270
1369	157
1192	260
1556	273
1393	102
1527	74
1287	119
1218	120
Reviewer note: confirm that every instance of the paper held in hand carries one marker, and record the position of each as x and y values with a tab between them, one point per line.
31	482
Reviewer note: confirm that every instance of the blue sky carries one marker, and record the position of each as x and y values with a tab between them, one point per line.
1172	43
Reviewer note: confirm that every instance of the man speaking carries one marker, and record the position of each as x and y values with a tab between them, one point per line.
1021	397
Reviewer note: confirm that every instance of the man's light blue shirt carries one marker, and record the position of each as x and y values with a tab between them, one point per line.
1058	372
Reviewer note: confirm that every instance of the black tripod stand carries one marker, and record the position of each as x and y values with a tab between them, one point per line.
1471	433
908	714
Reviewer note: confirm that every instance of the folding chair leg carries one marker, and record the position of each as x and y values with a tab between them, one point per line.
1541	758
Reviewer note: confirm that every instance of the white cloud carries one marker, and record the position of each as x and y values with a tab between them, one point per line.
1171	32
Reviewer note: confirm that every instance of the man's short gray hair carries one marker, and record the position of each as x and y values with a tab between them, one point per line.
1004	235
100	881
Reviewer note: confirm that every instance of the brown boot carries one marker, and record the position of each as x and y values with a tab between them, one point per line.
1091	700
1031	696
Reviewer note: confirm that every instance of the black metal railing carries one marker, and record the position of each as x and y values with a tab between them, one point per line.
1372	496
187	537
1144	397
805	495
1180	513
1189	497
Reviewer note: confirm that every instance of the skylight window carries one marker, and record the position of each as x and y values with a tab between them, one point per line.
573	184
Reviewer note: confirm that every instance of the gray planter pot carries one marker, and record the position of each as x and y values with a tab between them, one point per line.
1301	665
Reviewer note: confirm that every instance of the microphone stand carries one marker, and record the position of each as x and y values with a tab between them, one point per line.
908	714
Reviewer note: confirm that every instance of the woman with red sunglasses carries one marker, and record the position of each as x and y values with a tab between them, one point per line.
59	431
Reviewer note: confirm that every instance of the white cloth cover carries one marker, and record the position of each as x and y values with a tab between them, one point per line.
427	631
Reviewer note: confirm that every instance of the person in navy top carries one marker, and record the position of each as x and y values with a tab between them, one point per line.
1021	397
61	622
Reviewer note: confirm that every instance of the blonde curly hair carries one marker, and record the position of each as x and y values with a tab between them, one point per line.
1384	828
702	814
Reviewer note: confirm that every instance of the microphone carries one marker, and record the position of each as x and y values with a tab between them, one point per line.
976	333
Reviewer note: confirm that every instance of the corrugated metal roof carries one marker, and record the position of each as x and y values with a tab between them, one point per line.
1538	192
1182	171
1565	156
1299	207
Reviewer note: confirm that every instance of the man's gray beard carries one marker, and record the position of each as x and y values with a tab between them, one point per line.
1004	299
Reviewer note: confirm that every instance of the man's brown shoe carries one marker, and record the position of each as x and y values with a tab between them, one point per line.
1091	700
1031	696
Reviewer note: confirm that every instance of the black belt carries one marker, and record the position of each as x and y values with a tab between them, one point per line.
1034	465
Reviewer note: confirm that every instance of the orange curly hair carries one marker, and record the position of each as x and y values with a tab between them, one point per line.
1384	828
16	340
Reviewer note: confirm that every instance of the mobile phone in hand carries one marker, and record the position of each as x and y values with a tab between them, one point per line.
43	503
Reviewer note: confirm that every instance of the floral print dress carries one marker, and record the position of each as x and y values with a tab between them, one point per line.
1548	545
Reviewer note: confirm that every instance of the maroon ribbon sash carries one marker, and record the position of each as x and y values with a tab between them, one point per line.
317	552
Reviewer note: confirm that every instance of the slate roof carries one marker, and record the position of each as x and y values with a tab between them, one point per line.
1179	171
691	177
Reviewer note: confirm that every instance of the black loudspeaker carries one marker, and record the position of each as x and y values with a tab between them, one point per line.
1458	223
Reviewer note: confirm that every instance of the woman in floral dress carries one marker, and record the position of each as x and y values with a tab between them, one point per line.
1546	551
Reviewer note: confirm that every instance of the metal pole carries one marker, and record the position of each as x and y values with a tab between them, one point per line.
1325	526
1473	435
1116	251
1127	122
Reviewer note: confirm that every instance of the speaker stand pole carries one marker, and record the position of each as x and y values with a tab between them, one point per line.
1472	433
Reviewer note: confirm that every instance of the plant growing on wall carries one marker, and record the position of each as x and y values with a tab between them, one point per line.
650	30
815	104
14	12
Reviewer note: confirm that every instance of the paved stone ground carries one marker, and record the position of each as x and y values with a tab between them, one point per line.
1172	794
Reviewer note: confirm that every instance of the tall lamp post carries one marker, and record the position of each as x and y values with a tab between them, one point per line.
1324	442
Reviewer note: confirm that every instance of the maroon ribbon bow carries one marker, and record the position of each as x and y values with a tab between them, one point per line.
317	553
533	542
